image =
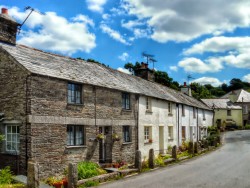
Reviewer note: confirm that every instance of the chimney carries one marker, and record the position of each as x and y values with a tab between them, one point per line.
144	72
8	28
186	89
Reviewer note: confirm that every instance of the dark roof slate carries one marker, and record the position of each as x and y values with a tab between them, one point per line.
52	65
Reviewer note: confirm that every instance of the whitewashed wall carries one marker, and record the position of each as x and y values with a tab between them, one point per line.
159	120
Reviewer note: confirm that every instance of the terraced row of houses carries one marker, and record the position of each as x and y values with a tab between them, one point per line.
54	108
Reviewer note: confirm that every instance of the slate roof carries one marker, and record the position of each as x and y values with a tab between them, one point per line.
240	93
221	104
52	65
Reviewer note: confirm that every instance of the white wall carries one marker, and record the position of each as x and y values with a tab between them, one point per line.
157	118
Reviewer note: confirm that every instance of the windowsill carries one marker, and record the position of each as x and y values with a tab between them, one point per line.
127	143
149	111
75	147
147	143
170	114
126	110
10	153
171	140
75	104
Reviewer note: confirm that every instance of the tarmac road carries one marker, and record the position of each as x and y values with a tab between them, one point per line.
228	167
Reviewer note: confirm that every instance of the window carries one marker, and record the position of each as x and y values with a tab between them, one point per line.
126	101
170	133
228	112
74	93
147	134
183	110
126	134
169	108
194	114
148	104
245	111
75	135
12	138
203	114
183	132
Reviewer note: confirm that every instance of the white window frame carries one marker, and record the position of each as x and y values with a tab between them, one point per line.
126	101
147	134
203	114
170	110
170	133
148	104
74	93
245	109
12	140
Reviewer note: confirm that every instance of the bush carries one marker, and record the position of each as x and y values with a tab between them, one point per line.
88	170
184	146
183	154
18	185
6	176
159	161
91	183
247	127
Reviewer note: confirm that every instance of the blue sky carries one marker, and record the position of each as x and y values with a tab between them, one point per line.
207	39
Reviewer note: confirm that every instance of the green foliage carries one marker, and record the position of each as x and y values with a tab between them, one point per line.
6	176
91	183
1	137
183	146
159	161
89	169
247	127
17	185
183	154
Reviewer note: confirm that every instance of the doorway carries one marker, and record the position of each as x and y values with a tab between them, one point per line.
161	139
105	145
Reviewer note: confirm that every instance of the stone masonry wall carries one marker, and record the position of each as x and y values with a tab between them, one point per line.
13	105
49	140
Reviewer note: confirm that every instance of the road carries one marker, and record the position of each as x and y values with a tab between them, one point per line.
228	167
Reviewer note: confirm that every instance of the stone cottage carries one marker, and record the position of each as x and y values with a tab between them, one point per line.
55	109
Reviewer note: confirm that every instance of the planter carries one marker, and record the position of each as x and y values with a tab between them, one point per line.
65	183
58	185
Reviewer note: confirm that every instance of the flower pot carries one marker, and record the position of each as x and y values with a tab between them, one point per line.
57	184
65	183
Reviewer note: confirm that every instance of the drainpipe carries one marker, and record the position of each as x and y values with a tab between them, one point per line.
95	111
137	121
197	118
26	123
178	122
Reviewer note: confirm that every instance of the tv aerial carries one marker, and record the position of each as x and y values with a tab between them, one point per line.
31	10
149	57
189	77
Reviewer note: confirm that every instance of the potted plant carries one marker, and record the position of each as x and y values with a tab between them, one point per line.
150	140
115	137
55	182
100	136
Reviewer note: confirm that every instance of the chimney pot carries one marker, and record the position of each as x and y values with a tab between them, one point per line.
4	11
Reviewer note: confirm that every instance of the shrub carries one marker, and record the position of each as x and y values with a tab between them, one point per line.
159	161
91	183
6	176
183	146
18	185
185	153
247	127
89	169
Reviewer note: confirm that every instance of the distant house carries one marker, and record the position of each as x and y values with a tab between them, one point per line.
54	108
226	113
241	98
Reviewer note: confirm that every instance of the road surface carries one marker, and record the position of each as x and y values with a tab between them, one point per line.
228	167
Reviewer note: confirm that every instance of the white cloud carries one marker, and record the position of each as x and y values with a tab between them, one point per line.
220	44
196	65
208	80
124	70
131	24
124	56
233	51
246	78
185	20
113	34
96	5
173	68
55	33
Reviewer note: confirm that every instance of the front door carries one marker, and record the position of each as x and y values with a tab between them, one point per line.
105	152
161	139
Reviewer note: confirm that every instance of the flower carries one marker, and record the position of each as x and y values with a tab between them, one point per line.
115	137
100	136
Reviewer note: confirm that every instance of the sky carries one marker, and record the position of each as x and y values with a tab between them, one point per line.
206	40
